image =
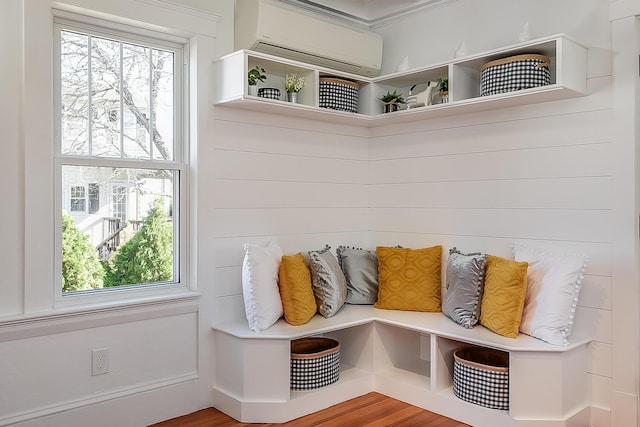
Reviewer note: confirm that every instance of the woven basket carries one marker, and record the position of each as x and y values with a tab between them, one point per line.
514	73
315	363
481	376
338	94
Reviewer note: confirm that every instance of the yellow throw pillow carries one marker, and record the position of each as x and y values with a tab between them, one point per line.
505	288
296	292
409	279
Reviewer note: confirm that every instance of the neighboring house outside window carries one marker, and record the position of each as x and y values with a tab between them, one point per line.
119	155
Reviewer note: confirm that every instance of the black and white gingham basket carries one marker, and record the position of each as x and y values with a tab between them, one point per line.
315	363
514	73
269	92
338	94
481	376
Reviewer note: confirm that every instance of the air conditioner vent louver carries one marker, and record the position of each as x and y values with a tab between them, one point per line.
307	57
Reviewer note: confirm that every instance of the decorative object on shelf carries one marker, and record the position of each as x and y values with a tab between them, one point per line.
255	75
443	90
423	98
526	34
481	376
515	73
461	50
269	92
338	94
292	85
403	65
391	101
315	363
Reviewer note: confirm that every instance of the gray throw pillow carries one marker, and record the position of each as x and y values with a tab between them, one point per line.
465	284
360	268
329	283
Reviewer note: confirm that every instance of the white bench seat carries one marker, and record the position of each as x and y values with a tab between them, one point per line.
405	355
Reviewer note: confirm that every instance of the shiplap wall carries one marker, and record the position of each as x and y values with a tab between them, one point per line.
539	174
302	181
535	174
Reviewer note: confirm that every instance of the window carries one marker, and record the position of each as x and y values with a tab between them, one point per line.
77	198
118	116
94	198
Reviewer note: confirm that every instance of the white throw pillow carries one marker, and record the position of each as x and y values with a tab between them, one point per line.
260	284
554	282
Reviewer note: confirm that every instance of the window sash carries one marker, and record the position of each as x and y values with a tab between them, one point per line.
176	165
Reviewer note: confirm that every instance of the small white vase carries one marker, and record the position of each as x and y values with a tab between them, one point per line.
292	97
253	90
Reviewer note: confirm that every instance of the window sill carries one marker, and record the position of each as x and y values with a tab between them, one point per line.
97	315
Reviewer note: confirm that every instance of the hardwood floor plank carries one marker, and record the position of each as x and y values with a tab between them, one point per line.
370	410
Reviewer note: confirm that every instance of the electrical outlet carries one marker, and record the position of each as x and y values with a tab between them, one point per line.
99	361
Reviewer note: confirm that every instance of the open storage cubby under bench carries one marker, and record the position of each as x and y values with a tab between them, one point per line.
568	79
404	355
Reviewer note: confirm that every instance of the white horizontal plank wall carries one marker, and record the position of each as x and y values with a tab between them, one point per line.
301	181
543	174
482	182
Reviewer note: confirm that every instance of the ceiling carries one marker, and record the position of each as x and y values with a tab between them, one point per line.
369	13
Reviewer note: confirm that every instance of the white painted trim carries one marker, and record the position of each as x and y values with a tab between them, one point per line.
97	398
154	15
29	326
187	10
619	9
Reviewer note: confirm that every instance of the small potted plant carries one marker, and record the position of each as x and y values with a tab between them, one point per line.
391	101
254	76
443	89
292	85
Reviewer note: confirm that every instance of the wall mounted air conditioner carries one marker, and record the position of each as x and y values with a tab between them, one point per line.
272	27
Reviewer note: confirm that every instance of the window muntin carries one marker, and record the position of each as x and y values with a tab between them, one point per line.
119	120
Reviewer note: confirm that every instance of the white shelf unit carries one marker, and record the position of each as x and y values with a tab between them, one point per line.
404	355
568	79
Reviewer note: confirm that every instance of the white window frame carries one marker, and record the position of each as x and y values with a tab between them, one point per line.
180	46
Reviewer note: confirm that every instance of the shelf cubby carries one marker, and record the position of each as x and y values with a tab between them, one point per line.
568	79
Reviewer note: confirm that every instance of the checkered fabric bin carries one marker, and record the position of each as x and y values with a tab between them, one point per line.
514	73
338	94
481	376
315	363
269	92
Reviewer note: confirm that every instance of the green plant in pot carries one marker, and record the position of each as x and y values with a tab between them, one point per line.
391	101
443	89
255	75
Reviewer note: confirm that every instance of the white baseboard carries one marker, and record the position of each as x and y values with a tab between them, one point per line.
94	399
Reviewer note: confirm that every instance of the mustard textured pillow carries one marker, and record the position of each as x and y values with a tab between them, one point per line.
409	279
505	288
296	292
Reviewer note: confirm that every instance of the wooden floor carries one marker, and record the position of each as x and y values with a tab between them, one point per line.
370	410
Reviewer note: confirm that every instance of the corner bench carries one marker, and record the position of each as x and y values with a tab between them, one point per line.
404	355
